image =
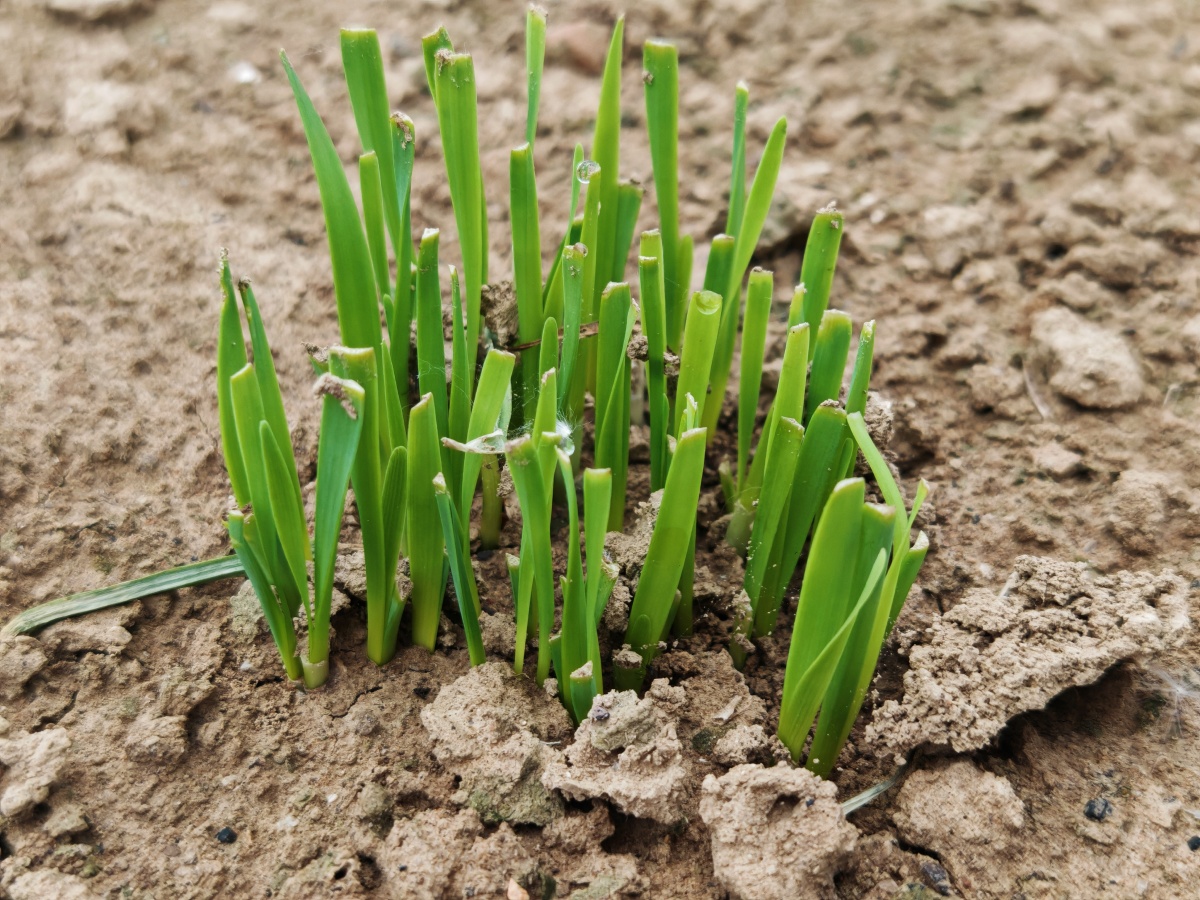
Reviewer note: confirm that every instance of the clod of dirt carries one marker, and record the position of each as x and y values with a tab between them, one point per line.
965	815
579	837
626	751
1056	460
102	632
180	692
951	235
628	549
1138	513
21	658
34	763
64	819
747	744
1086	363
45	883
488	728
1055	625
777	834
498	308
1119	264
1076	291
499	634
245	613
157	740
426	849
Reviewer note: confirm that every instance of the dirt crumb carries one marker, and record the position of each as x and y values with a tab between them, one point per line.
34	763
777	833
1086	362
157	740
21	658
46	883
746	744
1055	625
626	751
965	815
488	728
426	851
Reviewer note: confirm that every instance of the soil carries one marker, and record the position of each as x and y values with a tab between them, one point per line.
1022	223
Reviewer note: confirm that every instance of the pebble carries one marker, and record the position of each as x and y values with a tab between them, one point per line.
1194	843
226	836
1056	460
1098	809
938	878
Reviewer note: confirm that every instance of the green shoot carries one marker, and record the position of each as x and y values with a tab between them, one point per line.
737	179
353	275
453	88
789	403
816	272
579	666
828	360
363	65
527	272
758	204
661	79
431	348
535	61
399	312
426	559
699	342
655	600
34	619
606	153
381	549
460	568
531	460
651	282
754	337
613	372
780	472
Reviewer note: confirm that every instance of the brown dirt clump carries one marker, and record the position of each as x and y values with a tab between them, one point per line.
777	833
1054	626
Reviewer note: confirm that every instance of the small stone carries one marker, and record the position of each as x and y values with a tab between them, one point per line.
1098	809
1194	843
226	836
1056	460
515	892
374	803
245	73
938	878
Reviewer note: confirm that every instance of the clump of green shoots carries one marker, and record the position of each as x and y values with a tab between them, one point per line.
271	540
791	485
416	445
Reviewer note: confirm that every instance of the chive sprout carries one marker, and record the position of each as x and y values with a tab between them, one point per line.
415	467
